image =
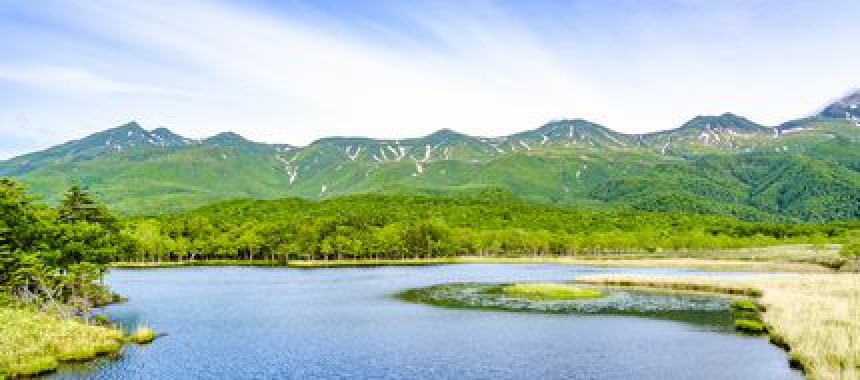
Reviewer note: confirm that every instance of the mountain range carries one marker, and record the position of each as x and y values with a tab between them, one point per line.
801	170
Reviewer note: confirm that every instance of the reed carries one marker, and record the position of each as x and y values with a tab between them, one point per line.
815	316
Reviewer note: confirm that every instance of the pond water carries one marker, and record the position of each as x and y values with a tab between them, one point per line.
277	323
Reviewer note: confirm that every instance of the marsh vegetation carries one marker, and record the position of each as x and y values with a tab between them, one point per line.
814	316
33	342
564	298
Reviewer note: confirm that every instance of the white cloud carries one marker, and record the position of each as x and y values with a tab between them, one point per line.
202	67
305	79
74	79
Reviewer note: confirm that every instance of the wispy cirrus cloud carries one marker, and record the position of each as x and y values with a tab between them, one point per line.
74	80
294	72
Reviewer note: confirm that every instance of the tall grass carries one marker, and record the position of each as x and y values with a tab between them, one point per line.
815	316
32	343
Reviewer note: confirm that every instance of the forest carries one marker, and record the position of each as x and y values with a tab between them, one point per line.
55	254
408	226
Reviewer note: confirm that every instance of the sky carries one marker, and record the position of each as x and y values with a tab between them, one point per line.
295	71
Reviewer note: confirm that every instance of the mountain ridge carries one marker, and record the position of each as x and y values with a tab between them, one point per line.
708	164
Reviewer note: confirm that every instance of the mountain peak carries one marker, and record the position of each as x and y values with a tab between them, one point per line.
445	134
227	139
130	126
562	123
847	107
574	132
726	121
126	136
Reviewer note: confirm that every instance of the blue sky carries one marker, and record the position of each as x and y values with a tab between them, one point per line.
292	72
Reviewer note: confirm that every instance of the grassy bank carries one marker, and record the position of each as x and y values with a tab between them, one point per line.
32	343
814	316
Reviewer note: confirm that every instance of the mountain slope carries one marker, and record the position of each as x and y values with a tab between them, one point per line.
130	136
802	170
847	108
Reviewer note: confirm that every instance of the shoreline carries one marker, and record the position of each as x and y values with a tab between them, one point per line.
807	315
709	264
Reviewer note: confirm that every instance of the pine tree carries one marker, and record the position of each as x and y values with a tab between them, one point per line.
79	206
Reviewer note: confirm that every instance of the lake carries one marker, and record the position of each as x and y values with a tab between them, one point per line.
279	323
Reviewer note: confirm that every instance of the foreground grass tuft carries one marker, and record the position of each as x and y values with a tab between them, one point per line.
142	335
32	343
814	316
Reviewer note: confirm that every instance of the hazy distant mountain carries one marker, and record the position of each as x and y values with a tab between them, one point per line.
805	169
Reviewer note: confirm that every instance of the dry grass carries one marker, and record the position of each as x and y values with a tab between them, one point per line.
816	315
693	263
33	343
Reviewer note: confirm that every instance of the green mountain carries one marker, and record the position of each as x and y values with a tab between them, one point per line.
806	169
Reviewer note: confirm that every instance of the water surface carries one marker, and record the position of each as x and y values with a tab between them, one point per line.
277	323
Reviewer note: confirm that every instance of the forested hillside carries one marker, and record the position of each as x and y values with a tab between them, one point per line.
54	255
803	170
389	226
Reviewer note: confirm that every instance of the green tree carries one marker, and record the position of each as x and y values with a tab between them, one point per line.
79	206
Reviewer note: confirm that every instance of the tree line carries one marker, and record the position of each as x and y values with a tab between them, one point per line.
403	226
57	254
